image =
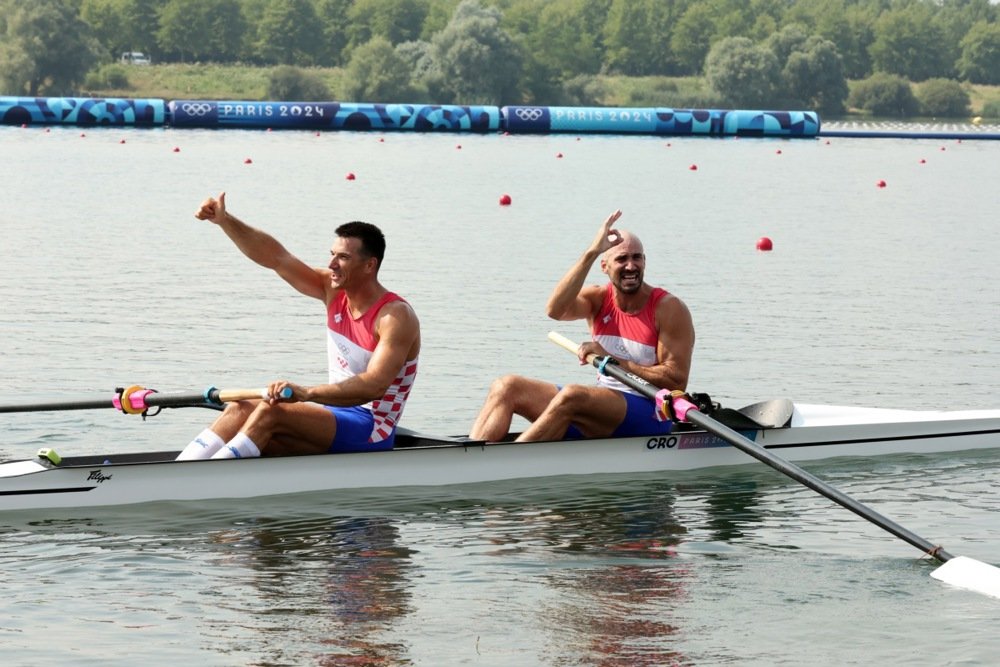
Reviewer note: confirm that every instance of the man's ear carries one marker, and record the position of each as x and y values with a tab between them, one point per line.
604	265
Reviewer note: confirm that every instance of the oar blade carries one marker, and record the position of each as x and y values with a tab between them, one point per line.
970	574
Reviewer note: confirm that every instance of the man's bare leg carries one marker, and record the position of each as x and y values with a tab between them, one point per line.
596	411
508	396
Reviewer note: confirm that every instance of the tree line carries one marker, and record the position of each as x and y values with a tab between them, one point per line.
751	53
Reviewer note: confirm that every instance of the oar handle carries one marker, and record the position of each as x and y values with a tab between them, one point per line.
136	400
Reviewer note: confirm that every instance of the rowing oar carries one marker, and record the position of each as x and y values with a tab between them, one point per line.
137	400
960	571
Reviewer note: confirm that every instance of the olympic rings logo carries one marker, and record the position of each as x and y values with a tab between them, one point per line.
196	108
529	113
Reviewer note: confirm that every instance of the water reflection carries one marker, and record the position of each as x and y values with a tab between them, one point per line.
347	579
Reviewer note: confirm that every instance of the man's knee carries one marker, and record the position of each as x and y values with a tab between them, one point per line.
507	387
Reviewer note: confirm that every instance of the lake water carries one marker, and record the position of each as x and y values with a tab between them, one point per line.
886	297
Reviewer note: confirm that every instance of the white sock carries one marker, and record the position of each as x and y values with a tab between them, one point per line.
202	447
240	447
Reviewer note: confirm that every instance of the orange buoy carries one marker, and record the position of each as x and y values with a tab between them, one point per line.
764	244
505	200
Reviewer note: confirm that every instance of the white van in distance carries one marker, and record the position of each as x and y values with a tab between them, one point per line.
135	58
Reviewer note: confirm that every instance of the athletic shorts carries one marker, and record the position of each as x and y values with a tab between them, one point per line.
639	420
354	431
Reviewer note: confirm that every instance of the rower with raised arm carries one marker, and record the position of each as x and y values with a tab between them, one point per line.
373	343
645	329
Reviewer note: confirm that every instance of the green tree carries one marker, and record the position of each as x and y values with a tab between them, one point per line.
557	42
743	73
44	47
693	37
376	73
202	31
396	20
334	23
813	76
942	98
637	37
884	94
123	25
289	33
980	60
476	61
911	43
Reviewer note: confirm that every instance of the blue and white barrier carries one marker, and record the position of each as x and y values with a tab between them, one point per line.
81	111
406	117
660	121
335	116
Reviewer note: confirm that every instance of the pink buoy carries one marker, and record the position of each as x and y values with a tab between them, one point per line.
505	200
881	183
764	244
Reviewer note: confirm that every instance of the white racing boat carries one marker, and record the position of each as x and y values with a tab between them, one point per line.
772	432
796	433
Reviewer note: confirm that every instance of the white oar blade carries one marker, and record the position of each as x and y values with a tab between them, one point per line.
970	574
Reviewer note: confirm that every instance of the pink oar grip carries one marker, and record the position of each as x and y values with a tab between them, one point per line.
682	406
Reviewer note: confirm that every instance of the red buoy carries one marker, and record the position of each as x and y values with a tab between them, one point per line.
764	244
177	149
559	154
350	175
247	161
880	183
693	167
505	200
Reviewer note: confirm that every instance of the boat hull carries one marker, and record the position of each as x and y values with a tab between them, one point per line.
827	432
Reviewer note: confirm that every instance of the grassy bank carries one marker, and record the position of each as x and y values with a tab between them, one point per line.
238	82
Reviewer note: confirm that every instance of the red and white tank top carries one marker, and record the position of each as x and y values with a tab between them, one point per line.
626	336
350	344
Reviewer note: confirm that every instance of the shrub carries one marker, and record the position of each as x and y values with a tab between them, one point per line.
991	109
884	95
652	92
585	90
291	83
943	98
108	77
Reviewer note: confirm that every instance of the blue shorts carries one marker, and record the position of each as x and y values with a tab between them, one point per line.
639	420
354	428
